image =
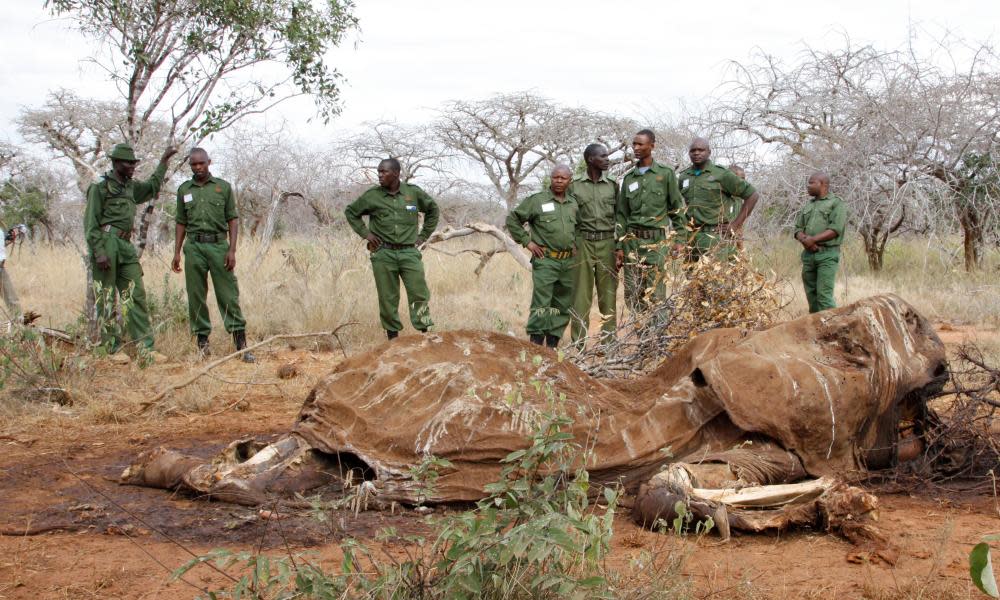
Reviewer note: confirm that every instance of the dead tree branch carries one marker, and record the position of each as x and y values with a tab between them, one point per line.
509	245
195	377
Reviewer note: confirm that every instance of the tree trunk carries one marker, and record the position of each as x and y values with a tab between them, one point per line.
270	224
874	250
972	238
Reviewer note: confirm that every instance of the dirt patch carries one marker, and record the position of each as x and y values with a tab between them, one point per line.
112	555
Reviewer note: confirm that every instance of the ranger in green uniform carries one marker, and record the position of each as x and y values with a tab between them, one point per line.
649	220
819	227
392	208
552	215
595	193
707	190
107	225
206	219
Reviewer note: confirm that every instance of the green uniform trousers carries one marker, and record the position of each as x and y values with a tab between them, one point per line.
819	270
644	260
551	295
594	264
201	259
389	266
706	239
125	275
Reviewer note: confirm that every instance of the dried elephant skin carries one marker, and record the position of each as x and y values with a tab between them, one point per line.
829	387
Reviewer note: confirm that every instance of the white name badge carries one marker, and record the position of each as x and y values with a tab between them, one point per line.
548	207
633	186
188	198
411	207
685	183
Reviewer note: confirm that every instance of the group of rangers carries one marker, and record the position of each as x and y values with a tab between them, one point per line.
582	231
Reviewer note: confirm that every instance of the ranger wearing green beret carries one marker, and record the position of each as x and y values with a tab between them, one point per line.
819	227
392	208
108	221
596	194
206	221
709	191
650	222
552	216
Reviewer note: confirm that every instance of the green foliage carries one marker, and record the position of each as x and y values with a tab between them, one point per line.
172	54
27	360
426	474
170	308
681	524
981	567
536	535
28	204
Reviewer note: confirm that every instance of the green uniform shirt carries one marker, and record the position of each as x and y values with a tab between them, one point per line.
596	202
821	214
553	223
649	201
111	202
206	207
393	217
705	191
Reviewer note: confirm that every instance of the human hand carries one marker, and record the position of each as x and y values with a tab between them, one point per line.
373	242
535	250
168	152
103	263
175	265
230	261
619	259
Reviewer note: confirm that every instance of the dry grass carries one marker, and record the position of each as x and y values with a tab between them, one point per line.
926	273
315	284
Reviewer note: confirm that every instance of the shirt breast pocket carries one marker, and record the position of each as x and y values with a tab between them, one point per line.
545	222
117	204
409	213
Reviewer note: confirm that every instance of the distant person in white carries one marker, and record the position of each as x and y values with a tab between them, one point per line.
6	285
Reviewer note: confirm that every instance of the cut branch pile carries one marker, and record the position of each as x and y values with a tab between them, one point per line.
698	297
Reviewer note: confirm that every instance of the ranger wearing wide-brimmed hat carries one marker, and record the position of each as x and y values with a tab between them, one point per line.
108	221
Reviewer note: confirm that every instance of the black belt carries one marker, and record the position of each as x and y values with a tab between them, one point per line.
597	236
208	238
559	254
397	246
118	231
646	234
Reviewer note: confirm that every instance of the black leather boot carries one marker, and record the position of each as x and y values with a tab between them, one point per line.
203	345
391	335
552	341
240	339
537	338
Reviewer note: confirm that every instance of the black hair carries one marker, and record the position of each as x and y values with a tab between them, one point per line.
591	150
393	164
649	135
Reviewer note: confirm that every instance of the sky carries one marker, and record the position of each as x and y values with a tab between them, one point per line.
409	57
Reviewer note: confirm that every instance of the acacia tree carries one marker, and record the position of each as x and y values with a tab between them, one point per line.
197	66
510	136
190	62
84	130
894	129
29	190
415	146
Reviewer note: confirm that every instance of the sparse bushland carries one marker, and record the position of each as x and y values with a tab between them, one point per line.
318	283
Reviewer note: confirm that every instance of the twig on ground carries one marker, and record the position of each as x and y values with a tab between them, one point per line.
284	336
